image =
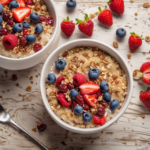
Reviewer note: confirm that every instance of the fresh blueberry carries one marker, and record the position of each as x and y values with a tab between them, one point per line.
1	19
31	38
17	27
104	86
34	17
60	64
25	24
94	73
78	110
38	28
107	97
87	117
1	26
73	94
14	4
1	8
71	4
114	104
51	78
121	33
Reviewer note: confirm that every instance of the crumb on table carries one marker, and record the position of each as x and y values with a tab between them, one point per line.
14	77
131	1
129	56
146	5
147	38
115	45
29	88
142	115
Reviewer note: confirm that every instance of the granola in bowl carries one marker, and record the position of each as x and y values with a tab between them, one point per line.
25	29
86	87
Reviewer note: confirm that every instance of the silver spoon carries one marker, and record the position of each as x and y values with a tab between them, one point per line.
5	118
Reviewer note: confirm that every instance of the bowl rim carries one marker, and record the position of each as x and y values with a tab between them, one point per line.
64	124
45	47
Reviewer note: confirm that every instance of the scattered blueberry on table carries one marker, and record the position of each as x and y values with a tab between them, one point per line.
121	33
71	4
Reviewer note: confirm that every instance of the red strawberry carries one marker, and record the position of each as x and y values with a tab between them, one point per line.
5	2
67	27
103	120
63	100
105	17
145	97
116	6
20	13
21	3
85	26
89	88
134	42
91	99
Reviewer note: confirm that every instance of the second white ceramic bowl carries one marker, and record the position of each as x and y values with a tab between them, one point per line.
87	43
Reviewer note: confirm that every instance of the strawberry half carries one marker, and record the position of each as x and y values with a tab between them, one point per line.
91	99
21	3
89	88
5	2
20	13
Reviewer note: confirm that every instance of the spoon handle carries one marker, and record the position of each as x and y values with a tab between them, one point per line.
36	141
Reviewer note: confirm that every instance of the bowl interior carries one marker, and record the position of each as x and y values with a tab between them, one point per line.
92	43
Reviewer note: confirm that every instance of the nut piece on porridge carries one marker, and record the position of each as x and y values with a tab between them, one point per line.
88	94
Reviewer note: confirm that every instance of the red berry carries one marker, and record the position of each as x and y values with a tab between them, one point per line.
63	100
103	103
91	99
101	111
29	2
11	22
99	93
58	81
3	31
25	31
80	100
10	41
96	119
63	88
79	79
49	21
42	127
86	107
70	86
73	105
23	41
42	19
6	15
37	47
103	120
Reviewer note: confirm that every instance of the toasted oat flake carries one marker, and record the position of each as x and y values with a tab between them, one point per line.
92	15
29	88
146	5
136	14
142	115
131	1
115	44
147	38
129	56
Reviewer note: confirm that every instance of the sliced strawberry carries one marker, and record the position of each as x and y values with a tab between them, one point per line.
20	13
146	77
145	67
5	2
22	3
91	99
89	88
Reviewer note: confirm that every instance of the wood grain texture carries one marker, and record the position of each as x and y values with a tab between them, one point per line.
131	131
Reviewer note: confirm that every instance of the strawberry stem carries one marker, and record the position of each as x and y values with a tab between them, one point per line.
67	19
134	34
109	2
86	18
148	90
100	10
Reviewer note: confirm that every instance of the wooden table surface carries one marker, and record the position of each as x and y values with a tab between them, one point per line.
130	132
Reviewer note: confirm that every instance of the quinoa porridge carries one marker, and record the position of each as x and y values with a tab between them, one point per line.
90	88
31	33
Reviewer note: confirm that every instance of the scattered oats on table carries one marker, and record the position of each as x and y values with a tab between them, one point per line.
29	88
146	5
147	38
131	1
142	115
136	14
115	45
129	56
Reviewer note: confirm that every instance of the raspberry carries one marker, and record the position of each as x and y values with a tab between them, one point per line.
29	2
3	31
63	101
23	41
10	41
41	127
58	81
25	31
96	119
42	19
63	88
6	15
49	21
37	47
80	100
79	79
73	105
86	107
70	86
103	103
101	111
11	22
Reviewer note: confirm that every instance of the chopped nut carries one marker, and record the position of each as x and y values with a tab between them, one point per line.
129	56
142	115
29	88
117	82
65	54
114	76
146	5
14	77
147	38
131	1
92	15
136	14
31	77
85	54
115	44
34	129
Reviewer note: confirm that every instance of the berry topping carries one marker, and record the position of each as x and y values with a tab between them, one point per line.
107	97
103	103
73	94
21	3
80	100
104	86
31	38
10	41
37	47
63	88
91	99
34	17
58	81
49	21
94	73
79	79
51	78
102	120
87	117
38	28
101	111
6	15
5	2
67	27
99	93
1	19
11	22
14	4
121	33
29	2
89	88
17	27
96	119
3	31
71	4
1	8
114	104
23	41
86	107
20	13
63	100
42	19
41	127
25	24
73	105
70	86
78	110
60	64
25	31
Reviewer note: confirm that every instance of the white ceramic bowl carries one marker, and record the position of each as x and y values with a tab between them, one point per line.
32	60
93	43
